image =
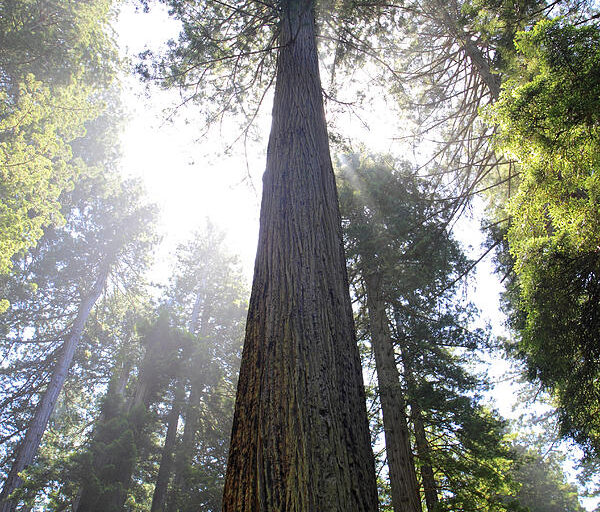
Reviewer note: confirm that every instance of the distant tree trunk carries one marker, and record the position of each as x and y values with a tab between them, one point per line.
185	451
166	462
107	491
112	407
421	442
31	442
200	302
472	51
402	473
300	440
424	454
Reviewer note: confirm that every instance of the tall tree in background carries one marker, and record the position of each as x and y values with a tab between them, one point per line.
543	487
370	250
208	299
187	376
106	227
404	268
124	427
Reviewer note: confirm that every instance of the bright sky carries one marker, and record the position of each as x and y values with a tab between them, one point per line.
191	179
187	176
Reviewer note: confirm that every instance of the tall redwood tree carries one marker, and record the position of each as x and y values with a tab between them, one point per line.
300	438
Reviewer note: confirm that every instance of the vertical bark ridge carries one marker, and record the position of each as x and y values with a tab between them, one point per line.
300	438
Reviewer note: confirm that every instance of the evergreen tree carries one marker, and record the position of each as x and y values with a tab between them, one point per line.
542	484
208	296
122	434
300	435
106	233
166	416
404	267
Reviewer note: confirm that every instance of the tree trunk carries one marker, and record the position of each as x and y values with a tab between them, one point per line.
31	442
112	407
166	462
185	452
421	442
300	440
472	51
424	454
402	473
116	441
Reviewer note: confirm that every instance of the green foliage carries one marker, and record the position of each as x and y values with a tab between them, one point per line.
36	161
48	71
207	295
549	122
56	41
109	470
104	218
542	484
152	365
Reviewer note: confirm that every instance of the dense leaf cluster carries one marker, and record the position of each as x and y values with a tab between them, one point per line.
51	56
548	119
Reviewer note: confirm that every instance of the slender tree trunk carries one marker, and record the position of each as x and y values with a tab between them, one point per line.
472	51
166	462
200	301
421	442
31	442
111	408
424	454
402	473
185	452
300	440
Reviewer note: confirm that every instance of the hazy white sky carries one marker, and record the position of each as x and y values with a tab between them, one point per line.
187	176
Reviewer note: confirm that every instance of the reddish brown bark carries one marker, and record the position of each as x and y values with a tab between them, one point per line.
300	440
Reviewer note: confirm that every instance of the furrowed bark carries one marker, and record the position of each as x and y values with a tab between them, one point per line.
31	442
402	473
300	439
